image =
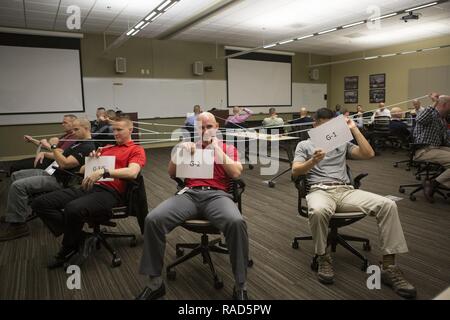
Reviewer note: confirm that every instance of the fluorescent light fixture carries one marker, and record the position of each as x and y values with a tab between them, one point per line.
173	3
135	33
163	6
145	25
270	45
428	49
130	32
304	37
353	24
388	55
150	16
408	52
139	25
370	58
156	17
422	6
326	31
287	41
385	16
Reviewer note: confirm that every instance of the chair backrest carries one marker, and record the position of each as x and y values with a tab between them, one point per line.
303	189
135	202
274	130
381	124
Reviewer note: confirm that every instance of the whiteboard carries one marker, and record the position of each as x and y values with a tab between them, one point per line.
153	98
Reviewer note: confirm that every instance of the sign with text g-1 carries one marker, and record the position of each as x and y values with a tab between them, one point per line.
331	134
92	164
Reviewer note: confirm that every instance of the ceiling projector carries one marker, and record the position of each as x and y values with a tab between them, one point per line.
411	16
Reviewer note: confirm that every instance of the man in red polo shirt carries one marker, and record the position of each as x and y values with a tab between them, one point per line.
93	197
208	197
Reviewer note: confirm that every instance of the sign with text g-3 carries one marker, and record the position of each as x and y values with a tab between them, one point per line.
92	164
331	134
199	165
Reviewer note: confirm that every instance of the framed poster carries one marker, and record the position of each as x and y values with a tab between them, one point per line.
351	96
376	95
377	81
351	83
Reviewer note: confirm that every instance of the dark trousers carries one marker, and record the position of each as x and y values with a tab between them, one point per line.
79	206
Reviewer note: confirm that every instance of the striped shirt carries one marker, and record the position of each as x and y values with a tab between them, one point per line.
431	128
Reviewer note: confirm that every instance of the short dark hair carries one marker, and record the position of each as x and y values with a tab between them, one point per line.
101	108
272	110
324	114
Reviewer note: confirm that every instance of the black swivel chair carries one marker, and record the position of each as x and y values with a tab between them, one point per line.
205	246
133	204
425	169
380	132
338	220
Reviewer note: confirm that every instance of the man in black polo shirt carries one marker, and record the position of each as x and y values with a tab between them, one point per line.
431	131
32	181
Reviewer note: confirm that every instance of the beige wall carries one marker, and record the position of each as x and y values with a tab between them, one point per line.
396	69
164	59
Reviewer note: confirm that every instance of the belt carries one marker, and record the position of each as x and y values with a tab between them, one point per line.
333	183
204	188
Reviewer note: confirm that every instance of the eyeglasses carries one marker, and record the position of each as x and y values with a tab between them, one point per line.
209	126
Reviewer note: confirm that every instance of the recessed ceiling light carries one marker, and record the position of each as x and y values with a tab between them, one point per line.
327	31
421	7
287	41
304	37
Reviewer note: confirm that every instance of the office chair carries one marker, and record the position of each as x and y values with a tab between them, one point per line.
205	228
380	132
133	204
338	220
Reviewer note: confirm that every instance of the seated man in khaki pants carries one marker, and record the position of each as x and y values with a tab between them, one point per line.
431	131
330	190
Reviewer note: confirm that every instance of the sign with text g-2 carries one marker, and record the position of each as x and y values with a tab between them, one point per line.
92	164
331	134
199	165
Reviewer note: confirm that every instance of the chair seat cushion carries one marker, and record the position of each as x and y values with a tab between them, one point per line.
347	215
200	226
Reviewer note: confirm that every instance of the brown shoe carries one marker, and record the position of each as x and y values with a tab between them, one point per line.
325	274
393	277
10	231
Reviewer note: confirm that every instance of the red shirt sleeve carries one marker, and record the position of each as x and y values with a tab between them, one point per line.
231	151
138	156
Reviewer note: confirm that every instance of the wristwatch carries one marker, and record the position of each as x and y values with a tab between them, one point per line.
106	174
53	146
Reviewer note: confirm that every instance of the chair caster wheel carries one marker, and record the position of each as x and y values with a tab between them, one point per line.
367	247
401	190
294	244
412	198
408	169
418	178
364	266
250	263
116	262
271	184
250	166
395	165
171	275
218	284
133	242
179	253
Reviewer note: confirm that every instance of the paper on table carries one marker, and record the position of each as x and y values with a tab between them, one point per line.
331	134
199	165
92	164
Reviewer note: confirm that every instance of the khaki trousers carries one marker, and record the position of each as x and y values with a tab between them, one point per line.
324	201
439	155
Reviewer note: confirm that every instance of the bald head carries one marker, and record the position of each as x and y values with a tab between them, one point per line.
443	105
381	106
396	113
206	117
303	112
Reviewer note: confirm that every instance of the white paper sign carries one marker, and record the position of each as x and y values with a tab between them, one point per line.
199	165
331	134
50	170
92	164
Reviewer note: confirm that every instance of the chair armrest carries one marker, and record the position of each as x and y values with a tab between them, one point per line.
357	180
68	173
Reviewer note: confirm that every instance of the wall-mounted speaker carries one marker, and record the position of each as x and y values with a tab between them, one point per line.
121	65
197	68
314	74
